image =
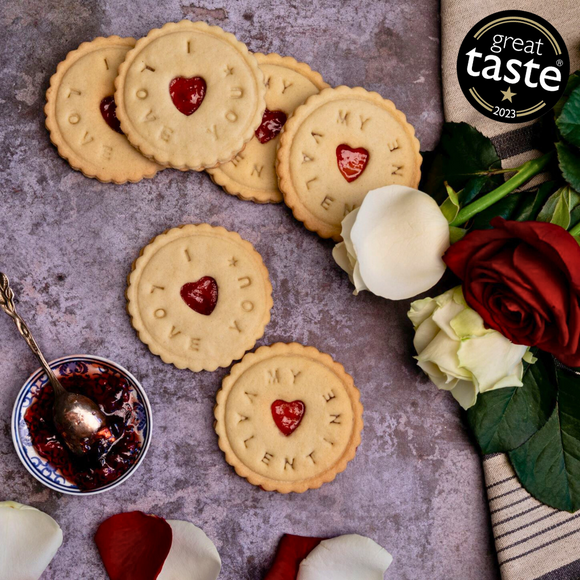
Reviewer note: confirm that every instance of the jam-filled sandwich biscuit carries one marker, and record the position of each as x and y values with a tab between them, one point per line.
199	297
251	174
339	145
81	114
190	95
288	418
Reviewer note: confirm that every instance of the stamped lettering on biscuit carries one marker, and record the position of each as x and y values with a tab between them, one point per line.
273	376
329	396
195	344
233	262
160	313
106	152
363	122
237	159
289	463
187	256
243	418
235	326
317	136
229	70
71	92
393	145
327	202
397	170
257	170
236	92
150	116
245	281
343	117
267	458
74	118
306	158
155	287
335	419
165	134
331	443
174	332
231	116
87	138
311	181
250	396
248	305
311	457
106	64
295	375
147	67
246	441
142	94
213	132
286	85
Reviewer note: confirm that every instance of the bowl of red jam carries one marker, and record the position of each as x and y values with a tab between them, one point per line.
120	397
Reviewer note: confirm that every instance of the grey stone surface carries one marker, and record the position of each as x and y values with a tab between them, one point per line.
68	242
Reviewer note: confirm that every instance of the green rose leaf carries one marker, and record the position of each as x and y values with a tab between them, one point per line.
462	154
548	463
533	204
569	163
571	85
568	122
558	209
504	419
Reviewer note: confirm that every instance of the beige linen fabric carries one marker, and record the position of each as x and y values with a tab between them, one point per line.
533	541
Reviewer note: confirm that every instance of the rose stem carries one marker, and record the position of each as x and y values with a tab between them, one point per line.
575	231
524	173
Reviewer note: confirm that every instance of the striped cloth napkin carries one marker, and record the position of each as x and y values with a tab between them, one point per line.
532	540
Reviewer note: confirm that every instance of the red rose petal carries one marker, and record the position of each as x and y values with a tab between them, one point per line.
291	551
133	545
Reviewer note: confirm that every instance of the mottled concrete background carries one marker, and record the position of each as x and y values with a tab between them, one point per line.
68	243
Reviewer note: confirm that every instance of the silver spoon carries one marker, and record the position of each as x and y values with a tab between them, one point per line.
77	418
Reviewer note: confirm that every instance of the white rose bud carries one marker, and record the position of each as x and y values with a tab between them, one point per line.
458	353
394	243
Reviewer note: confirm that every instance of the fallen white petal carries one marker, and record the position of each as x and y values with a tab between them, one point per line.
399	238
29	539
193	555
347	557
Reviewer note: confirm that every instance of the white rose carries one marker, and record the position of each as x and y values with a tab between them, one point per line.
394	243
458	353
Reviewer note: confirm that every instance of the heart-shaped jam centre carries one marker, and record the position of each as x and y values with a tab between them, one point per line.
187	94
288	416
272	123
201	296
109	112
351	162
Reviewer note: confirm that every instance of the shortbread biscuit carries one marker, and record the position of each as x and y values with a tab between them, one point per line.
338	146
251	175
288	418
199	297
190	95
78	103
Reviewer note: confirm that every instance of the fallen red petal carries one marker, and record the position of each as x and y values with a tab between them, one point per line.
291	551
133	545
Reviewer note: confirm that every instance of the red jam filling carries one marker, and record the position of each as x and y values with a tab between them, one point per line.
272	123
288	416
109	112
201	296
93	471
187	94
351	162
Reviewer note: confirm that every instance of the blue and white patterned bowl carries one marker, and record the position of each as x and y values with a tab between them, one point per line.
38	466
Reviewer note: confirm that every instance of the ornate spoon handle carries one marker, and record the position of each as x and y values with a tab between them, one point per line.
7	304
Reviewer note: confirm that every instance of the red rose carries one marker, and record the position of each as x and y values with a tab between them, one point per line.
523	278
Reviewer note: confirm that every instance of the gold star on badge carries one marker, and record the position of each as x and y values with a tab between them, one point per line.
508	95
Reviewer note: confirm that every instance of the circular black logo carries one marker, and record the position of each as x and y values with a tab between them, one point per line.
513	66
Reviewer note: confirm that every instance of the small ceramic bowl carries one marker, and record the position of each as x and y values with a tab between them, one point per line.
75	364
